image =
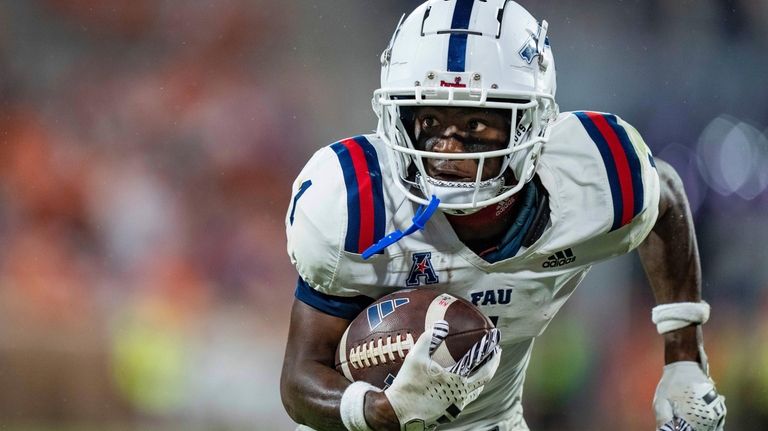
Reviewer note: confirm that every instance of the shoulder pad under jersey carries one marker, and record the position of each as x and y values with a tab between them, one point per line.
604	188
336	210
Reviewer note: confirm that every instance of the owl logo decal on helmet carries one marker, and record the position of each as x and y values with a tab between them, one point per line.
530	49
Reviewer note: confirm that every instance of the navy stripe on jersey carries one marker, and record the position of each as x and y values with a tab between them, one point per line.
353	203
366	217
635	168
374	171
457	43
610	167
340	306
622	165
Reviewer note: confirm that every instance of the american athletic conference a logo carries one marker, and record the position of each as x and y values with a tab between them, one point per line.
422	269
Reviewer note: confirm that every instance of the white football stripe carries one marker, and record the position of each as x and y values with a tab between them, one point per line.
343	357
436	311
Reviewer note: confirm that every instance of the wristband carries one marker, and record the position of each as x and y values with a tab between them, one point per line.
352	407
676	315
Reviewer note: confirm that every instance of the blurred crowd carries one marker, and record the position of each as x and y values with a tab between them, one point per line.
147	150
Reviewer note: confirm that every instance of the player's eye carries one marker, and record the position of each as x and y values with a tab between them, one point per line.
429	122
476	126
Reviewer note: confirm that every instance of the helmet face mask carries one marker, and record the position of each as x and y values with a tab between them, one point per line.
422	66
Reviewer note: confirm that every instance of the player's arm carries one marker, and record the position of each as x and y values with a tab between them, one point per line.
670	257
310	387
313	392
685	394
316	395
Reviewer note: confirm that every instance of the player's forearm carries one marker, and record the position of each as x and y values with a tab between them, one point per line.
311	389
312	396
671	260
313	399
379	413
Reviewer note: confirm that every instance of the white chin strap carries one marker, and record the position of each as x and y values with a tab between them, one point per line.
456	192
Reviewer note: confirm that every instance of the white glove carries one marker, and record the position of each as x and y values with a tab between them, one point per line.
686	400
425	394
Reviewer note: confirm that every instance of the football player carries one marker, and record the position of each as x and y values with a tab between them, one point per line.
491	195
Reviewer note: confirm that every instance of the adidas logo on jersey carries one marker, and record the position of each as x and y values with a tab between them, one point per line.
562	257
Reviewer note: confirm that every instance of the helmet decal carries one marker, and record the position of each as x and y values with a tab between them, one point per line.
530	48
456	83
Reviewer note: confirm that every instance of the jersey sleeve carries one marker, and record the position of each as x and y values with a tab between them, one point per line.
336	211
631	179
649	177
346	307
314	221
603	186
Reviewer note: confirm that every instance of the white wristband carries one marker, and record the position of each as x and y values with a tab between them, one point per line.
352	406
676	315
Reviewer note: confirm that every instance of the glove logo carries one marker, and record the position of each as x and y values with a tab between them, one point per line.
388	381
377	313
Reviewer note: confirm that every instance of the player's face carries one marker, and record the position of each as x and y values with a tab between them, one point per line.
461	130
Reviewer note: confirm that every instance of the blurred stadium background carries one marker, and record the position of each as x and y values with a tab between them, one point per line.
147	150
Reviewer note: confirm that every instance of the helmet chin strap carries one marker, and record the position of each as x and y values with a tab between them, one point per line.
420	220
460	192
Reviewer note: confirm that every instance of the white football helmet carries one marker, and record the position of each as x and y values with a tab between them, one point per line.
476	53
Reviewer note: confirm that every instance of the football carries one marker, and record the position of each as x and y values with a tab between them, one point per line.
377	341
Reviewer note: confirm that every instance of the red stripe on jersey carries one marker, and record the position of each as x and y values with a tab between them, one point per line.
364	191
621	162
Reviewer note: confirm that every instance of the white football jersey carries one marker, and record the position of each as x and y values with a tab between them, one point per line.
603	198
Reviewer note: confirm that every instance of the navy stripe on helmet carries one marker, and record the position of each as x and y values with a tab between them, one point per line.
457	43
